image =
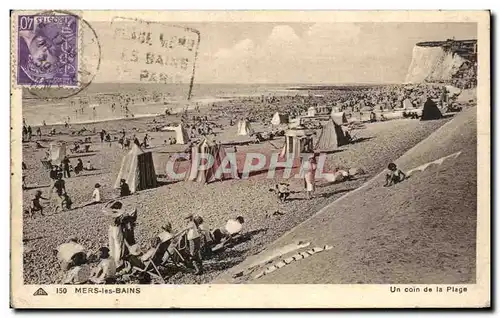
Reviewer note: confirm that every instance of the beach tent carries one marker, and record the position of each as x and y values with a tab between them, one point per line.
203	171
57	152
244	128
430	111
453	91
331	137
297	140
311	111
137	169
407	104
279	119
339	118
181	135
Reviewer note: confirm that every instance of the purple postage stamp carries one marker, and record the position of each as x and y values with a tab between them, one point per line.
47	50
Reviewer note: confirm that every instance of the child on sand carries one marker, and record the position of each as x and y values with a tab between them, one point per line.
394	176
35	204
96	195
105	272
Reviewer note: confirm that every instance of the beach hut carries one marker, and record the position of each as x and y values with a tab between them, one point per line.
181	135
430	111
311	111
208	161
244	128
331	137
57	152
137	169
279	119
339	118
297	140
323	110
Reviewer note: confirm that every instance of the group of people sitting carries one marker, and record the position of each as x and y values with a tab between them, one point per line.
171	141
123	259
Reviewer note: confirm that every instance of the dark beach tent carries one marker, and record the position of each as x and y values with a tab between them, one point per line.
138	170
431	111
339	117
331	136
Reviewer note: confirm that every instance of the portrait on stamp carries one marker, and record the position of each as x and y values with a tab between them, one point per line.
314	153
48	50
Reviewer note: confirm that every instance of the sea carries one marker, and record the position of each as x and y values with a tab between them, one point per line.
87	106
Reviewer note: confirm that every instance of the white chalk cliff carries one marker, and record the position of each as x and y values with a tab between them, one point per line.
442	62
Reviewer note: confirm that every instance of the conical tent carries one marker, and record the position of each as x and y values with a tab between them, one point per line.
407	104
244	128
339	118
181	135
331	137
57	152
138	170
430	111
279	119
208	160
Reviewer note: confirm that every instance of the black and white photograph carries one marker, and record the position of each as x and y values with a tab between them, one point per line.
221	150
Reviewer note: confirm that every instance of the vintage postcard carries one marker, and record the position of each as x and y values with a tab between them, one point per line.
250	159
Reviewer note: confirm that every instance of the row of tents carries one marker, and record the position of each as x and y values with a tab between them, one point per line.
138	170
137	167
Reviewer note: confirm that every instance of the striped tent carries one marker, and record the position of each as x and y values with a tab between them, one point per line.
210	162
244	128
138	170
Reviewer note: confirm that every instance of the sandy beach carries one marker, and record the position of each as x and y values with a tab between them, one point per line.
379	143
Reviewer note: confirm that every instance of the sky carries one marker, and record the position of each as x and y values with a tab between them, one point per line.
246	52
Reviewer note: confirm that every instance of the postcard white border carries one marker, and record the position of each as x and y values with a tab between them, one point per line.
277	296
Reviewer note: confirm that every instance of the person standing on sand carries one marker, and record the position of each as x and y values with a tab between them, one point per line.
114	211
309	178
65	162
59	188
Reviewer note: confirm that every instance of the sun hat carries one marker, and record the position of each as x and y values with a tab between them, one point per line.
113	209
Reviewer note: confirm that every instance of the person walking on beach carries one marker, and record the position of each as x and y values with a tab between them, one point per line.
137	142
309	177
59	189
66	163
30	133
101	135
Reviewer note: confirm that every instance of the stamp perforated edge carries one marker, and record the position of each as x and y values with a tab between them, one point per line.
14	49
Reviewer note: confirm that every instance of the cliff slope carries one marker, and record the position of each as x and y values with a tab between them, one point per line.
451	62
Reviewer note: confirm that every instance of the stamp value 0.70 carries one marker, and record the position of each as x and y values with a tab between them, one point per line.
47	50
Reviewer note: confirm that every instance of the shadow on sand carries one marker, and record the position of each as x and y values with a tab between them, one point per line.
358	140
330	152
330	194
